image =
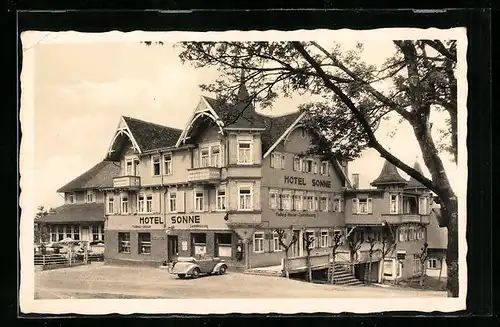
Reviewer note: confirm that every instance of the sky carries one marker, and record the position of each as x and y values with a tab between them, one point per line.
82	84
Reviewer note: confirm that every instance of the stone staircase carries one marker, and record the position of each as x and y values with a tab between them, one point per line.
343	276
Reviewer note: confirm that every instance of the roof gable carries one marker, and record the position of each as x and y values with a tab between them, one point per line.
388	175
150	136
99	176
413	183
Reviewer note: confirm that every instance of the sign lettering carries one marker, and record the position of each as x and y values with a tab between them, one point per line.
151	220
301	181
320	183
185	219
296	214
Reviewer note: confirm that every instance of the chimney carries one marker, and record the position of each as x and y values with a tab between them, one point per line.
355	181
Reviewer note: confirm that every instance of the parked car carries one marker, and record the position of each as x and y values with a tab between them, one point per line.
189	266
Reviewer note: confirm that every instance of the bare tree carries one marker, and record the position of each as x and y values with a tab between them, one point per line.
286	247
388	245
371	241
354	244
307	241
336	242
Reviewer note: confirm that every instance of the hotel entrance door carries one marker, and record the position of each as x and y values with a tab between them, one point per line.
172	247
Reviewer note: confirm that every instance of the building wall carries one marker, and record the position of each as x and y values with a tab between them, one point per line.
158	246
80	197
440	256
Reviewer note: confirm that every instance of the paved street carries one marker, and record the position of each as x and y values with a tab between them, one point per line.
102	281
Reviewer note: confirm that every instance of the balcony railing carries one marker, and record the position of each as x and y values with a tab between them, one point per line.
414	218
127	182
204	174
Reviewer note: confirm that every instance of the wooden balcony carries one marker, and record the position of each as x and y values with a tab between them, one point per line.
415	218
204	175
127	182
377	219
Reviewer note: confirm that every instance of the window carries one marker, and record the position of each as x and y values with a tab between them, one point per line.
388	264
276	243
136	163
95	233
198	200
337	205
149	203
156	165
286	201
258	242
76	232
315	167
323	203
129	167
124	242
144	243
297	202
111	204
172	200
90	196
124	203
362	206
273	199
221	199
394	203
277	160
307	166
309	202
205	156
316	203
310	237
140	203
71	198
402	235
422	206
297	164
432	263
244	152
60	233
215	156
245	198
324	239
167	164
68	231
323	169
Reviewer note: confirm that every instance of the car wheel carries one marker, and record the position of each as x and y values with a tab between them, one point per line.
222	270
181	276
196	273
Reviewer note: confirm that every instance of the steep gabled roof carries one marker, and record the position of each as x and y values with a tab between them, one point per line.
99	176
151	136
413	183
437	237
388	175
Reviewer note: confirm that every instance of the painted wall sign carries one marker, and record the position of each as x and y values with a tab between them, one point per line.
205	220
184	245
131	222
301	181
296	214
185	219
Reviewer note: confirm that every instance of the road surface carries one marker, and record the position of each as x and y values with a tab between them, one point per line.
102	281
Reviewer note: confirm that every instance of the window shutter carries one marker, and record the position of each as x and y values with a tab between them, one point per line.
354	205
369	205
206	200
180	201
282	161
317	236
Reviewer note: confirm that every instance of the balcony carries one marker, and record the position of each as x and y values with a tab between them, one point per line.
204	174
415	218
377	219
127	182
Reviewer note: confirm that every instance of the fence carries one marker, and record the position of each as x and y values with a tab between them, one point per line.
67	258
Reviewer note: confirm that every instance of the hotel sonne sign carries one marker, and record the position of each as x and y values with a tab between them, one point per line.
302	182
197	221
131	222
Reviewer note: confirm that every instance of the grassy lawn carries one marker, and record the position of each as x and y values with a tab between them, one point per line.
429	283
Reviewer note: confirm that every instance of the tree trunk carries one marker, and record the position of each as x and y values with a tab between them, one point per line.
452	251
332	277
309	269
440	268
287	268
369	280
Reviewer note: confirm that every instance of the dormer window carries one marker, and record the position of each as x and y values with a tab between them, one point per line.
167	164
156	165
71	198
277	160
244	152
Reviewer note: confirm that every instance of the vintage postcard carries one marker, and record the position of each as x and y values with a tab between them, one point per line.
243	172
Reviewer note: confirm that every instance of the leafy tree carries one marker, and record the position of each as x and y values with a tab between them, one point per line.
286	247
41	233
350	97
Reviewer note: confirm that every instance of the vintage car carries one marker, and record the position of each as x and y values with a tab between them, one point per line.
190	266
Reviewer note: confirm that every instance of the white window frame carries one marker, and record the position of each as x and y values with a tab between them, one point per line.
172	199
219	156
92	196
423	208
324	198
273	204
141	203
144	244
250	200
153	158
168	164
258	240
298	201
221	199
149	203
396	202
111	200
402	237
240	160
129	162
124	202
309	202
196	208
276	243
277	160
323	168
369	206
313	243
286	197
315	167
202	156
124	244
337	202
297	163
324	239
305	165
71	198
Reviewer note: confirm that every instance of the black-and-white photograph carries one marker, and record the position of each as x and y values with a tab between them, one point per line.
311	170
